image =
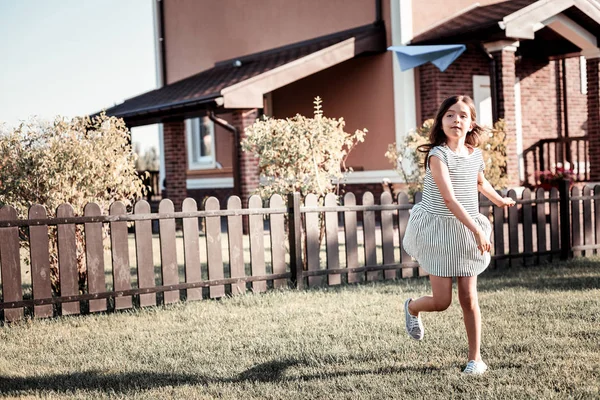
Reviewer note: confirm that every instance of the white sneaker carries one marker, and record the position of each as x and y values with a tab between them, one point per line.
414	326
475	368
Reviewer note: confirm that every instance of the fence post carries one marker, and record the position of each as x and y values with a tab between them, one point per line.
295	235
565	219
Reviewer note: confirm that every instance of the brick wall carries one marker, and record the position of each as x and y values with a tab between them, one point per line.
435	86
175	162
540	113
576	101
505	87
544	114
249	174
593	123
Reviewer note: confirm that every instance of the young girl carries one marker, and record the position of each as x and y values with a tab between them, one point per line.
446	233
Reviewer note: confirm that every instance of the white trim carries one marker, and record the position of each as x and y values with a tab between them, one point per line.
209	183
405	112
375	176
192	126
572	31
481	92
583	74
157	46
519	130
523	23
159	84
591	53
508	45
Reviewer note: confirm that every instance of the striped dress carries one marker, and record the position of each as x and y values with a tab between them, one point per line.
442	244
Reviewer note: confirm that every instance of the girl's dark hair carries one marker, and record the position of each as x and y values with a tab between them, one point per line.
437	136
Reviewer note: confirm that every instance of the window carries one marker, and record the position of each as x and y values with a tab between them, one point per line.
200	134
482	97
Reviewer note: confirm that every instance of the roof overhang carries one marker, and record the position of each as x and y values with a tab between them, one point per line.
544	27
242	82
523	24
249	93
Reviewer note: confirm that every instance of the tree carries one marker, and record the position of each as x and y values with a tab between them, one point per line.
67	161
148	160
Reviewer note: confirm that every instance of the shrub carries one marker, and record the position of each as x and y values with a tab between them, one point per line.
408	161
301	154
68	161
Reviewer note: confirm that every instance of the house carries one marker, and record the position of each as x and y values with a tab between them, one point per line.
223	64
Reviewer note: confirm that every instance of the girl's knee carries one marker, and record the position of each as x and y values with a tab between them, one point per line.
442	304
468	301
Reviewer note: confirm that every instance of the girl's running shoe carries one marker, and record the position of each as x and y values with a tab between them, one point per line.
414	326
475	368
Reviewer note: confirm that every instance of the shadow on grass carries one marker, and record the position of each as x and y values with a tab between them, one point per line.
566	276
269	372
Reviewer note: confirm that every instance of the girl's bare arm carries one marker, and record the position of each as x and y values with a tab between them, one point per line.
488	191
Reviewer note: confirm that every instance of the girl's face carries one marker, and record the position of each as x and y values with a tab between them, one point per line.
457	121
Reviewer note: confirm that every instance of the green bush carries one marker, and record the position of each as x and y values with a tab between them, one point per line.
72	161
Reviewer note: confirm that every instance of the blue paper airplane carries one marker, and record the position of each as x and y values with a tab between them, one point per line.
440	55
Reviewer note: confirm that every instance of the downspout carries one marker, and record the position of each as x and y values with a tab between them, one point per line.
236	150
493	85
566	145
378	13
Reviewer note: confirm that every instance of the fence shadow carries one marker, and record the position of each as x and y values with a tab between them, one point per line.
557	277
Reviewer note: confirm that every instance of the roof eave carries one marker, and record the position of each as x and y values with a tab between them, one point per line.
153	115
249	93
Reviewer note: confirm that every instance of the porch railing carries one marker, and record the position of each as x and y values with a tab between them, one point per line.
569	153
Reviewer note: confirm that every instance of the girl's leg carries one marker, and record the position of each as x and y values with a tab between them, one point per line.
440	299
467	295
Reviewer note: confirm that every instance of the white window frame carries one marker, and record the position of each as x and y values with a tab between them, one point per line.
583	74
195	161
482	96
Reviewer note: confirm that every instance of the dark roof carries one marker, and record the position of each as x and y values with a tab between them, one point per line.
475	24
199	91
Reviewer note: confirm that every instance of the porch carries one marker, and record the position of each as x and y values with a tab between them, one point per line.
548	161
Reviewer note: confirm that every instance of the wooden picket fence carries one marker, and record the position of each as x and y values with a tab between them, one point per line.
361	242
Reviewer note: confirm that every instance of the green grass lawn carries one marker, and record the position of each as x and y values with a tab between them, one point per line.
541	339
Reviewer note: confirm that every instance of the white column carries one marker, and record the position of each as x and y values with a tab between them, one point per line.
404	82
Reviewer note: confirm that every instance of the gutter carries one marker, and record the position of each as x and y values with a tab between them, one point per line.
237	188
378	13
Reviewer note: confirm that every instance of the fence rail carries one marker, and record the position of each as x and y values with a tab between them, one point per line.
299	244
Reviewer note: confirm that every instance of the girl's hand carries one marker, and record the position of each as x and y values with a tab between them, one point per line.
507	202
483	244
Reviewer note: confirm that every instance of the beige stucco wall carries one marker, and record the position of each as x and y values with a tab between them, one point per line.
249	26
427	13
360	91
